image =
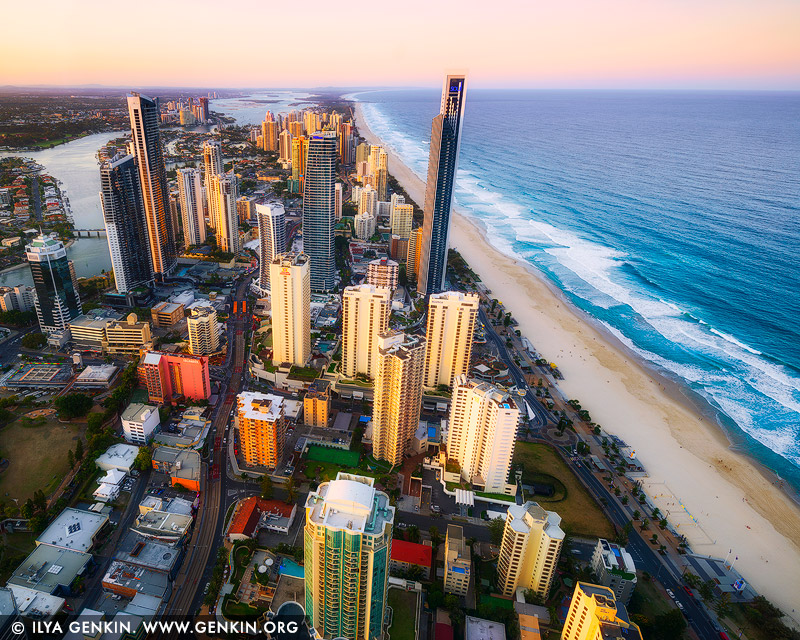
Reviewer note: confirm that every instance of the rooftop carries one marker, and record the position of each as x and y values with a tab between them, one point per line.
350	502
412	553
138	412
118	455
260	406
480	629
146	552
183	463
141	580
163	525
35	604
73	529
97	373
46	568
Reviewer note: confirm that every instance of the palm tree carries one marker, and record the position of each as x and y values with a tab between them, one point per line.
645	524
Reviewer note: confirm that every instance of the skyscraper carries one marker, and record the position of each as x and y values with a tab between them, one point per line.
285	146
402	218
594	613
190	193
272	239
442	165
451	324
398	395
339	195
269	132
529	551
319	210
368	202
365	315
290	285
262	427
482	432
213	165
382	175
224	190
203	331
146	142
299	155
125	222
414	252
347	547
57	298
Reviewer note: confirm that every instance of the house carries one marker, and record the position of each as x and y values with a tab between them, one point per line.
406	555
254	513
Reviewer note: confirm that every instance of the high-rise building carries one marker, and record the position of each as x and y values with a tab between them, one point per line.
482	432
285	146
299	157
365	225
296	128
402	219
347	548
190	192
382	174
594	614
19	298
362	153
368	202
451	325
339	195
204	113
272	239
146	142
319	210
383	272
203	331
213	165
398	395
174	375
126	223
374	158
312	122
457	562
317	404
57	298
414	253
262	428
365	315
269	133
529	551
442	165
290	285
613	567
225	190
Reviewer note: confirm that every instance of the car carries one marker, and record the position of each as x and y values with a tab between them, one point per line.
670	594
688	590
680	606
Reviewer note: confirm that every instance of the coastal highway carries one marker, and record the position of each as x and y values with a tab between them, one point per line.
187	592
542	415
647	559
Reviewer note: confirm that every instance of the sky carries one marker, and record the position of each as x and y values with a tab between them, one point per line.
634	44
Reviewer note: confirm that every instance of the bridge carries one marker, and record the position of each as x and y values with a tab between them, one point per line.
80	233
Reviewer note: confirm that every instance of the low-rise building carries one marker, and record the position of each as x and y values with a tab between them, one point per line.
254	513
166	314
614	568
182	466
457	563
165	526
406	555
480	629
190	433
88	331
51	570
73	529
129	580
127	337
118	456
139	422
317	404
149	554
96	377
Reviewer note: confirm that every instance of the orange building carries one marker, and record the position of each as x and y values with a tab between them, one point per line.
262	427
168	376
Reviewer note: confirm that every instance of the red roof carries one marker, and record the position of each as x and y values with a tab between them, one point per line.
412	553
443	631
249	512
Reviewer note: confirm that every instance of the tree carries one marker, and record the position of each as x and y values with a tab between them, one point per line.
266	487
435	537
706	590
624	499
94	423
413	533
636	514
79	450
692	579
496	527
73	405
34	340
39	500
28	509
645	524
668	625
662	523
71	459
291	490
144	459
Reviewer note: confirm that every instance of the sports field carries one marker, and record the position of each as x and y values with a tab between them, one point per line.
336	456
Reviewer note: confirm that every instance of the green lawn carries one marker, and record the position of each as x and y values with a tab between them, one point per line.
648	600
340	457
579	512
498	603
404	614
37	457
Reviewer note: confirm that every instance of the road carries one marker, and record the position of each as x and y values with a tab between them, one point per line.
187	592
542	415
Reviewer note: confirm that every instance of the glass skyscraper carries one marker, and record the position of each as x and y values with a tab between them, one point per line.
126	225
319	209
442	166
146	142
57	298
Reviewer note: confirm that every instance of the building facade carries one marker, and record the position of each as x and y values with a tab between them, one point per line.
347	547
442	166
397	396
594	615
139	422
262	428
57	298
529	551
168	376
317	404
365	316
365	225
146	141
126	223
223	194
290	281
319	210
482	433
613	567
203	331
19	298
451	324
384	273
193	215
272	239
457	563
128	336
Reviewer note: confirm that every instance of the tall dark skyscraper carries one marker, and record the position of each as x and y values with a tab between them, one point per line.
442	166
149	154
126	224
319	209
57	297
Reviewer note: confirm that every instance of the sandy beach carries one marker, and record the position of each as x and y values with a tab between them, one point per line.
687	456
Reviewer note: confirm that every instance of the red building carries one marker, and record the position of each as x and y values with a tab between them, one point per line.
168	376
410	554
254	513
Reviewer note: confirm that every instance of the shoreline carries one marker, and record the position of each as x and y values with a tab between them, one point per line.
738	506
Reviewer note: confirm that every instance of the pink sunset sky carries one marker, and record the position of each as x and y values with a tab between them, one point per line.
693	44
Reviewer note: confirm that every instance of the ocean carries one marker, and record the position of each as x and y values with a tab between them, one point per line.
672	218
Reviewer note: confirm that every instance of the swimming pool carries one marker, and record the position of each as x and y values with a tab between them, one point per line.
290	568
